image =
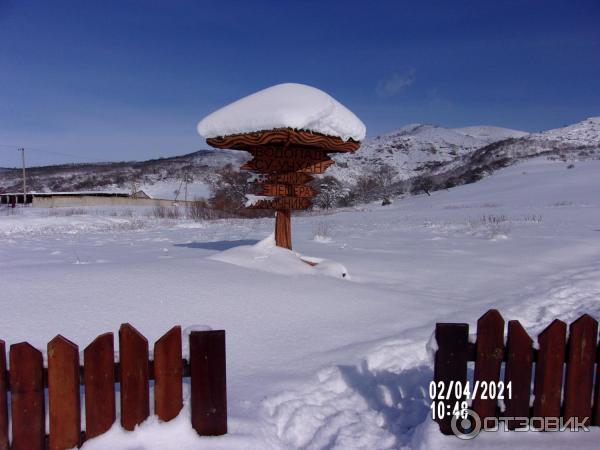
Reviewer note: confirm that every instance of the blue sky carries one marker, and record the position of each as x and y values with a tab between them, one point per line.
129	79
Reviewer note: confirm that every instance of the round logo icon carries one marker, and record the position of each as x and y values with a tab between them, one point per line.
468	427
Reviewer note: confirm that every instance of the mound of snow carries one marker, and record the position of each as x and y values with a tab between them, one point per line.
266	256
287	105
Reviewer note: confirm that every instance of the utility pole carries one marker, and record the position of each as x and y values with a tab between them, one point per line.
186	178
22	150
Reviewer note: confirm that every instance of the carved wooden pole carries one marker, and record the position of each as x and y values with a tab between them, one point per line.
283	228
287	159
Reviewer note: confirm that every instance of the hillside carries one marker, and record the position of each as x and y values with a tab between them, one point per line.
198	166
577	142
416	149
449	155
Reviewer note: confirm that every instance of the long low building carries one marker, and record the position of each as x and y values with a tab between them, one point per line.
83	198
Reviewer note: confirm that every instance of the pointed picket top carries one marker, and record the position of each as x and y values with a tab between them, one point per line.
549	370
24	348
130	330
64	408
519	361
490	336
490	352
99	381
99	341
59	341
491	315
584	320
27	399
168	373
173	333
516	330
557	327
133	351
580	368
491	320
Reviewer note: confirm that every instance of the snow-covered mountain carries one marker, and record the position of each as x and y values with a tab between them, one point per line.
199	167
584	133
471	152
413	151
418	148
489	134
579	141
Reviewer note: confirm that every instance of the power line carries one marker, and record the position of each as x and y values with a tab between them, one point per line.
35	149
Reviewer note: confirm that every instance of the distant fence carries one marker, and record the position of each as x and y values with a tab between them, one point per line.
28	379
58	201
555	358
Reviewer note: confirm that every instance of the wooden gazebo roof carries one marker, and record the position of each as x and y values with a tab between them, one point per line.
284	136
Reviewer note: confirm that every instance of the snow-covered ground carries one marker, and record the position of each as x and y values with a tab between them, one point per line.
315	360
171	190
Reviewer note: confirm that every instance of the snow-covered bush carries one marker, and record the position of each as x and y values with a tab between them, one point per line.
323	232
423	184
166	212
199	209
331	192
229	189
492	226
66	212
10	211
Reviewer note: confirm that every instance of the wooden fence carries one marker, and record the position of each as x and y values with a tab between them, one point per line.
555	358
28	379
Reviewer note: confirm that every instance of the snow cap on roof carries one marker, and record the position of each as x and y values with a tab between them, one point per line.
287	105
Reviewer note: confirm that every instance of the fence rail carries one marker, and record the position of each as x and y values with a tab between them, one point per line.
560	370
28	382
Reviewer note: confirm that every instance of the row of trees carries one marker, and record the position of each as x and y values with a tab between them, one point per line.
230	186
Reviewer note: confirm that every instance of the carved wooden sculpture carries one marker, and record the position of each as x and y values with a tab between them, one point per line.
287	158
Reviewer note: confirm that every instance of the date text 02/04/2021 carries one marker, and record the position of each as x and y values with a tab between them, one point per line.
440	394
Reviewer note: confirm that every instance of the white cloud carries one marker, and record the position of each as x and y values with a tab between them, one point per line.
395	83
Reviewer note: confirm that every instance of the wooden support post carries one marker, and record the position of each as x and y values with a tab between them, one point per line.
208	380
450	366
283	228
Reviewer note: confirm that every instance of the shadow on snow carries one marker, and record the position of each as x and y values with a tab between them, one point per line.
218	245
401	398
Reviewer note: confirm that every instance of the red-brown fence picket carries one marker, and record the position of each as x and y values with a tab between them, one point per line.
99	385
27	380
576	358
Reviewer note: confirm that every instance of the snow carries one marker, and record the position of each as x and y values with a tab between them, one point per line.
318	361
414	148
490	134
168	190
264	255
252	199
287	105
421	149
586	132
